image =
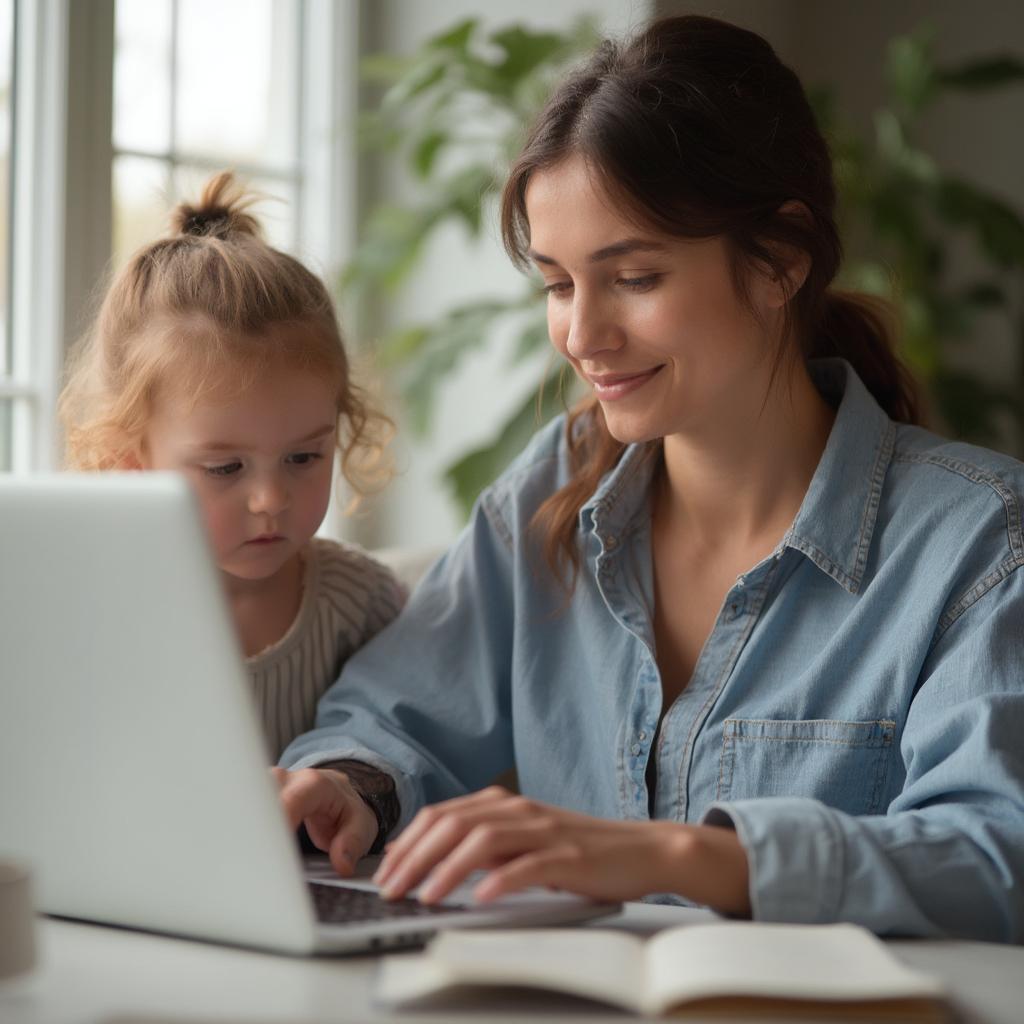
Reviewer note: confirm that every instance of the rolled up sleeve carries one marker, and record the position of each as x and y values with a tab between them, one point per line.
427	699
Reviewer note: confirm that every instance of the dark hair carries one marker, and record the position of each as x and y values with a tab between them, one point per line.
696	129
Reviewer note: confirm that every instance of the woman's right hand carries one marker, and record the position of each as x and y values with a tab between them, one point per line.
337	819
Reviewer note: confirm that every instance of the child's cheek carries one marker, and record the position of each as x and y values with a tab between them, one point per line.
223	526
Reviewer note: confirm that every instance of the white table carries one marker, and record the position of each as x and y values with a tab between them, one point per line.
98	975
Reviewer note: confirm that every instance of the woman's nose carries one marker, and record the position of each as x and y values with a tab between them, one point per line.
591	329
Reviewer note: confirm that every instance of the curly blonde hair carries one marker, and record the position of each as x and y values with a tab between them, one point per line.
208	309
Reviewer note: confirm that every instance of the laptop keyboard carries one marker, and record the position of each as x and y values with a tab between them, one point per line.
339	904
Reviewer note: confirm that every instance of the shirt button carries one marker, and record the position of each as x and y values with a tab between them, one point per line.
610	542
635	749
641	735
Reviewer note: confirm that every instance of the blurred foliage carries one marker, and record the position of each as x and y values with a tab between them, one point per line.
909	213
453	114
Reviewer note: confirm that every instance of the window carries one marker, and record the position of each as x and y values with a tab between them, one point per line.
109	112
201	86
34	60
8	388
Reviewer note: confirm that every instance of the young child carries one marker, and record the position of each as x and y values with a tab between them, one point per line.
217	356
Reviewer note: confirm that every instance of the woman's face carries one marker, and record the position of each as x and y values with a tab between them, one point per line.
653	323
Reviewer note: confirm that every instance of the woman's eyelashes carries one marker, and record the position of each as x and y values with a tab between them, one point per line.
639	284
557	287
300	460
642	283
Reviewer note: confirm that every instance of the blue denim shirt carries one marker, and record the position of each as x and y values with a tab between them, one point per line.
856	714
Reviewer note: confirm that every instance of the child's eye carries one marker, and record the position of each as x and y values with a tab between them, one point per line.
223	469
304	458
640	284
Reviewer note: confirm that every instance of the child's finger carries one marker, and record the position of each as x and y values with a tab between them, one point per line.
306	794
353	839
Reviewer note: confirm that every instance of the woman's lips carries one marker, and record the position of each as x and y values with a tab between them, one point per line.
610	386
266	540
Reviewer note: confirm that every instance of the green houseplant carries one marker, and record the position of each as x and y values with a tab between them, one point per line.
893	197
907	213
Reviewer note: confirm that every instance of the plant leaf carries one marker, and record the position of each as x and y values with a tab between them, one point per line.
456	38
474	471
425	357
910	69
981	75
970	406
998	227
420	78
392	242
524	51
894	148
384	67
426	150
984	295
533	336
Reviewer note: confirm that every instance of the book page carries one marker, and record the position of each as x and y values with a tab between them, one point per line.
591	962
822	962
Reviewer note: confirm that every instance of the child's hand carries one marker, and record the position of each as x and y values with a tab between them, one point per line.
336	817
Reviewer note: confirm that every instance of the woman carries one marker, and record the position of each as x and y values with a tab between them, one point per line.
749	635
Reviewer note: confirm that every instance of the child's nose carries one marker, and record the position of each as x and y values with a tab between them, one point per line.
269	497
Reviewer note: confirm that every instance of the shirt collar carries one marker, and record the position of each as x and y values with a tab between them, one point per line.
837	516
836	520
621	491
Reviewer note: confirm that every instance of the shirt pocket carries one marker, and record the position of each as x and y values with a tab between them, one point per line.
843	764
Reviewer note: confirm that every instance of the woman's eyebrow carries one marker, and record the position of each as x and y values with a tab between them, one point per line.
622	248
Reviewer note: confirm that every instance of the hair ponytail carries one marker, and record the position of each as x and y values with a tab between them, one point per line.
860	329
221	211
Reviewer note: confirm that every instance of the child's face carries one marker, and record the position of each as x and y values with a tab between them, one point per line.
260	462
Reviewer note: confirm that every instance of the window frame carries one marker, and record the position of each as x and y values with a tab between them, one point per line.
61	221
38	151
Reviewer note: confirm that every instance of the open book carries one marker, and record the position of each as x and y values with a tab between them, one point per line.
734	967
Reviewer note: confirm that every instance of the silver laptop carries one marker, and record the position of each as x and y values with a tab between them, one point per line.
133	773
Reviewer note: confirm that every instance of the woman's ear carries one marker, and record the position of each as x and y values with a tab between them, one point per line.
795	263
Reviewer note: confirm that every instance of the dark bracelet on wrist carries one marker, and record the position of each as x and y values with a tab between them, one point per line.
377	790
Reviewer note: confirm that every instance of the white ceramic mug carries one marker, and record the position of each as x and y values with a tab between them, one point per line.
17	920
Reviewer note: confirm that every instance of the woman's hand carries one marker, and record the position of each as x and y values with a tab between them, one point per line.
336	817
521	843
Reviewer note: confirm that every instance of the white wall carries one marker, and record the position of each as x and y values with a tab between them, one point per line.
416	509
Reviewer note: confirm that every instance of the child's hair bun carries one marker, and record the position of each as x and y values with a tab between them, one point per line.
220	212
